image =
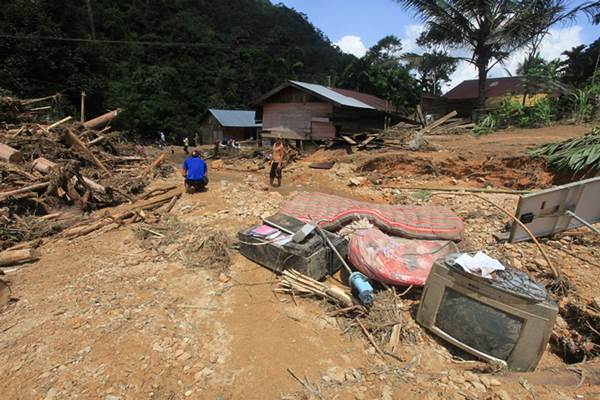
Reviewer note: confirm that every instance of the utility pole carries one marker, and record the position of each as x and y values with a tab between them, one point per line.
82	106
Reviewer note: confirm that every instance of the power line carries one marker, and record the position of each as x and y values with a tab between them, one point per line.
149	43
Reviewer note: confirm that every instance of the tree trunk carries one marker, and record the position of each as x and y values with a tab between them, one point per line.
9	154
482	67
16	257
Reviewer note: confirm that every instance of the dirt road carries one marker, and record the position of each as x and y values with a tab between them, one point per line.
103	317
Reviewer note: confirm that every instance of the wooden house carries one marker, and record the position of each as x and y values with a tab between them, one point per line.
306	111
463	98
219	125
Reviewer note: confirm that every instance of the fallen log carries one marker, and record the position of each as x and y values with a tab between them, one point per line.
154	164
458	189
9	154
38	186
102	120
16	257
44	165
76	142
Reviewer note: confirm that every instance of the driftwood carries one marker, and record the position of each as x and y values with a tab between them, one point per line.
102	120
57	123
154	164
16	257
117	218
26	189
9	154
76	142
44	165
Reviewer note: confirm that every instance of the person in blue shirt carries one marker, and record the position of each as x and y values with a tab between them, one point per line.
195	173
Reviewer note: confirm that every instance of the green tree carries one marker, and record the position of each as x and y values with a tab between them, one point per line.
432	69
379	72
490	30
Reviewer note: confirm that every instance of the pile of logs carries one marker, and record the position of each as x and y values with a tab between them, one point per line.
46	168
407	135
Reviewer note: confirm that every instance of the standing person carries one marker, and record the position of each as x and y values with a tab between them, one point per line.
277	161
162	140
186	144
195	173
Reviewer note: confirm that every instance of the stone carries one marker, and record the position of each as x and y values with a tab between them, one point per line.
188	393
357	181
223	278
336	374
503	395
456	377
479	386
216	165
51	394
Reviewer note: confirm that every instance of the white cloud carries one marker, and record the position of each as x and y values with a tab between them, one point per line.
352	45
409	40
557	41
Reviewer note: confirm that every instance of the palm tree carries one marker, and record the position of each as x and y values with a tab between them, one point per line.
489	29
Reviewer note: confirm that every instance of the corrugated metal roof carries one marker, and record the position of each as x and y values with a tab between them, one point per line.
369	99
235	118
494	87
332	95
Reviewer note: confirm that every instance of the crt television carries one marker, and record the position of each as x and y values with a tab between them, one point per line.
506	321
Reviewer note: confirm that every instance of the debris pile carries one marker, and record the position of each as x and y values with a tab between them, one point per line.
406	135
47	171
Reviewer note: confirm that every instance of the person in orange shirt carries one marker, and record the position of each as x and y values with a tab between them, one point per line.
277	161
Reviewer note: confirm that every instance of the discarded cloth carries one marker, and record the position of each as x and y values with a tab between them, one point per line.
480	264
393	260
417	222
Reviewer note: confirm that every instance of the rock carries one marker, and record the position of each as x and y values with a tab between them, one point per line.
455	377
471	377
326	378
51	394
216	165
223	278
357	181
495	382
188	393
596	302
503	395
350	376
336	374
479	386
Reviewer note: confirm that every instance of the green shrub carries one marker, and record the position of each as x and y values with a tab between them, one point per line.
513	113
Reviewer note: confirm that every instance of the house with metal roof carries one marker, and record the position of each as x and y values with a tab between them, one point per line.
463	98
219	125
307	111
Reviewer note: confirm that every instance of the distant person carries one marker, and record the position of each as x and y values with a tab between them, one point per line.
197	139
162	139
277	161
186	144
195	173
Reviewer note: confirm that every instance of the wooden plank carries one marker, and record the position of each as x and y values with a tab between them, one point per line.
76	142
366	141
57	123
9	154
350	141
439	122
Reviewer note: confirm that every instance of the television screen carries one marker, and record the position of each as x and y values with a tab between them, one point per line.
478	325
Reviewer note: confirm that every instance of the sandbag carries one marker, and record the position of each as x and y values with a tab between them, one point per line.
416	222
395	261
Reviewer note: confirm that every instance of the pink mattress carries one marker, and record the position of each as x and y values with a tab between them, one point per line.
415	222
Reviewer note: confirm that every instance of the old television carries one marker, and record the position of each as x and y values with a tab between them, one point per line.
506	321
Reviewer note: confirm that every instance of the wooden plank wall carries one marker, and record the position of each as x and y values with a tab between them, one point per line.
296	116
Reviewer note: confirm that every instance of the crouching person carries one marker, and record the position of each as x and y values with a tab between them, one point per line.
195	173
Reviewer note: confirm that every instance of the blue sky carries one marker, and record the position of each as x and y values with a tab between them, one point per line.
358	24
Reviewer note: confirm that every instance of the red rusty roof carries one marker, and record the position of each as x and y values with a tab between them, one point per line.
494	87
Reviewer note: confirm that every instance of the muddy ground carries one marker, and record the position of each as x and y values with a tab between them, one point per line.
111	316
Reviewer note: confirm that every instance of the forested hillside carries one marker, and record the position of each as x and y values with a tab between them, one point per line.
164	61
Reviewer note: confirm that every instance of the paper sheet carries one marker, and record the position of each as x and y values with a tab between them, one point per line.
481	264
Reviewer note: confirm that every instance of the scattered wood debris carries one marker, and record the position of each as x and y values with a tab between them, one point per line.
49	167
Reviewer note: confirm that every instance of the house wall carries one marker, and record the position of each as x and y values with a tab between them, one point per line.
210	130
298	117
